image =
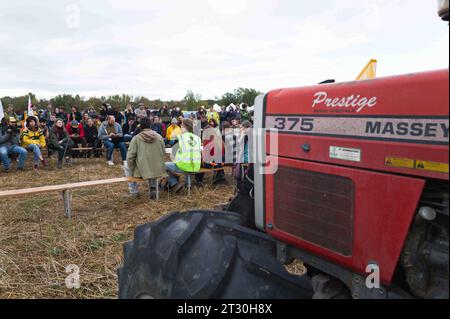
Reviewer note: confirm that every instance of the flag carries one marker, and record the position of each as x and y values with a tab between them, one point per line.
369	71
2	114
30	107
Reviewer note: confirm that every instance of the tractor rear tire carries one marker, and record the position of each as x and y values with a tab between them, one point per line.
202	255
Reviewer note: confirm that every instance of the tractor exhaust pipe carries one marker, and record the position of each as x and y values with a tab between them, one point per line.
443	9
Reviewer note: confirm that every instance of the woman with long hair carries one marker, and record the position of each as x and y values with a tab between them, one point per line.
60	141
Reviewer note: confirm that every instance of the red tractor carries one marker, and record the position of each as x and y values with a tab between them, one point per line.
354	184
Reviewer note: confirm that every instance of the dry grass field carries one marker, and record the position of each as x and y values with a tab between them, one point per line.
37	242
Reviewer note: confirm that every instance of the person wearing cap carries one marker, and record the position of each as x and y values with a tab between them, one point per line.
33	140
10	144
76	133
172	132
111	134
11	113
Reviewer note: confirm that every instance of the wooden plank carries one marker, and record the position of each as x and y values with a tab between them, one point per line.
55	188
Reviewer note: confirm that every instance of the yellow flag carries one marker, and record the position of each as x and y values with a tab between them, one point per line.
369	71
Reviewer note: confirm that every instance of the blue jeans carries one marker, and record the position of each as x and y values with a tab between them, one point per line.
15	149
172	169
36	151
171	143
111	145
133	186
127	137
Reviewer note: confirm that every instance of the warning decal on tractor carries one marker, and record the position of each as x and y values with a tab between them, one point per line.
345	153
416	164
400	162
432	166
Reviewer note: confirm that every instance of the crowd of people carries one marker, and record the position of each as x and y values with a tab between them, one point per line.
148	132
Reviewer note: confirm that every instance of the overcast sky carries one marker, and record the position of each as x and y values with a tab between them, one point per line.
161	49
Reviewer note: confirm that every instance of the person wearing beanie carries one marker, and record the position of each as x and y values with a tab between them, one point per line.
76	133
172	133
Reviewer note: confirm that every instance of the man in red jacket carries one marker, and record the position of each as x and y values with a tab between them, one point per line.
76	133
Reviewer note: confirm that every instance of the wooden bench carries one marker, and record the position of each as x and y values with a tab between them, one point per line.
65	189
131	179
201	171
187	175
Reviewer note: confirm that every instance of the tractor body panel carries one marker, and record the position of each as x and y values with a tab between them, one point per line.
353	160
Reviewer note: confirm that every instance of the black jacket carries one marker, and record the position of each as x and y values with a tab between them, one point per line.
9	139
75	116
157	127
90	133
127	129
54	137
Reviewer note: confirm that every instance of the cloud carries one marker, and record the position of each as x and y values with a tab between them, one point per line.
163	48
229	7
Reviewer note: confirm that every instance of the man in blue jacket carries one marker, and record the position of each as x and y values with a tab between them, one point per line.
111	134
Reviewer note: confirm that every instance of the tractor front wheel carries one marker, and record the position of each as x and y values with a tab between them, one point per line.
202	254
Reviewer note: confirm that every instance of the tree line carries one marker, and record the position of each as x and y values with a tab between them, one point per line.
192	101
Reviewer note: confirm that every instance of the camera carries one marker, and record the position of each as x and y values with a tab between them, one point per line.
13	129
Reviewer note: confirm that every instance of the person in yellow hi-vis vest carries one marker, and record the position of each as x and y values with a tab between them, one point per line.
33	140
188	156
